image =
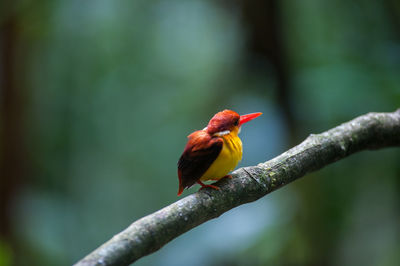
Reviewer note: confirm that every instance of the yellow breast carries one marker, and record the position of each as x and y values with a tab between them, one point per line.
227	160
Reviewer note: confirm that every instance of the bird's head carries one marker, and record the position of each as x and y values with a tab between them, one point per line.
227	121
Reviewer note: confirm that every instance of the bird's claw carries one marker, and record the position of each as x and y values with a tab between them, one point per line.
207	186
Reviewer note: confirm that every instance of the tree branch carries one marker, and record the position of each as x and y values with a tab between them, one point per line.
150	233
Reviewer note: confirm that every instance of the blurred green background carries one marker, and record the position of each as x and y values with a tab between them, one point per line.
97	98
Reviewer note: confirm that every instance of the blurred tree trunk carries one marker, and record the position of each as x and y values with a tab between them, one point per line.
266	42
393	9
11	119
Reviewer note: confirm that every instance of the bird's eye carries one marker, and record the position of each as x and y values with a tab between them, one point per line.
237	122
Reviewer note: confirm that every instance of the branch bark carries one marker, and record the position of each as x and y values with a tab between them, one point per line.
150	233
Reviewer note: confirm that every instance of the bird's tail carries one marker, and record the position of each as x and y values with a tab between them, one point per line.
180	190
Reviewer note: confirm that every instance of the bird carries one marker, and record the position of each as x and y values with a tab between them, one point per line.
211	153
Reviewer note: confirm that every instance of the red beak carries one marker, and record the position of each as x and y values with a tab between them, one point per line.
248	117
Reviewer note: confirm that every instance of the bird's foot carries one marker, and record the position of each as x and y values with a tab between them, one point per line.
227	176
206	186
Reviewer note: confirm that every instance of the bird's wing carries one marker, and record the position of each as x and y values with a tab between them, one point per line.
200	152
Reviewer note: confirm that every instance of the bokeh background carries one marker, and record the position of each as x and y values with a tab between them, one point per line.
97	98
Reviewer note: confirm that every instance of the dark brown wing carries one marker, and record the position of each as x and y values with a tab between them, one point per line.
200	152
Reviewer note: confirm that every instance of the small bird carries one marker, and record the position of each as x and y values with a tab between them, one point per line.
211	153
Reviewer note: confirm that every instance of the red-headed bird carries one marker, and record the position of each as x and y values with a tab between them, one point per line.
211	153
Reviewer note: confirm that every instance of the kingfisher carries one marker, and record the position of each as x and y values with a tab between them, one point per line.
211	153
